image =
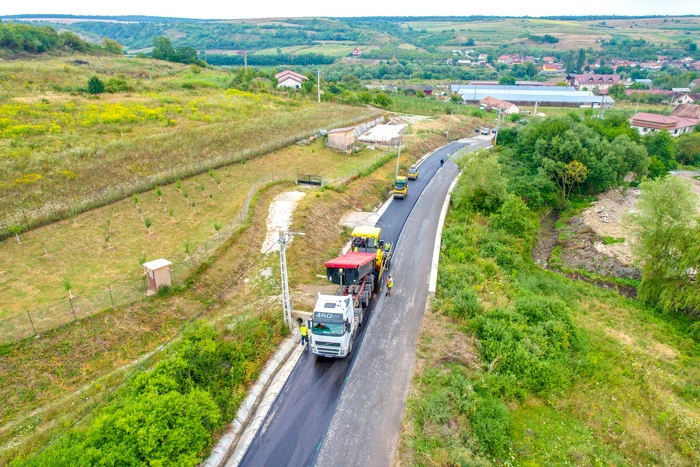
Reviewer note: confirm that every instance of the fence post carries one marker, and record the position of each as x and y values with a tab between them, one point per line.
110	295
31	322
71	308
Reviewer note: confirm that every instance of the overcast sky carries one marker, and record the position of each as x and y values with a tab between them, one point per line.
274	8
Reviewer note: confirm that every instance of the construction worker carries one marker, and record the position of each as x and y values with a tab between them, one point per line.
389	285
442	161
304	331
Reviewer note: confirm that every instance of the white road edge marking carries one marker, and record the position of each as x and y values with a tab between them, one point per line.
438	239
432	285
252	412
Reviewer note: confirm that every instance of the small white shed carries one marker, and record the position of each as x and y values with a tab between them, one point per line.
158	274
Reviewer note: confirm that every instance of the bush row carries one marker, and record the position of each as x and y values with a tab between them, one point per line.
166	416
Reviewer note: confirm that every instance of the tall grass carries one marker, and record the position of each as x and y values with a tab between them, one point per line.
65	152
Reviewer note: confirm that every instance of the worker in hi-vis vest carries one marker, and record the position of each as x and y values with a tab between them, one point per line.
304	331
389	284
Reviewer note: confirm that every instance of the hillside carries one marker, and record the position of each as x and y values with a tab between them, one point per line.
157	121
521	365
380	37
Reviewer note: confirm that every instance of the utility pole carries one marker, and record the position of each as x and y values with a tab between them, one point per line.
638	99
602	107
398	158
498	128
286	237
318	84
245	61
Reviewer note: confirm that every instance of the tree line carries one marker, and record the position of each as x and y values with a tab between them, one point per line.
270	59
17	37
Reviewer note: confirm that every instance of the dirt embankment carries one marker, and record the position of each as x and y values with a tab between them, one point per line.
585	249
598	239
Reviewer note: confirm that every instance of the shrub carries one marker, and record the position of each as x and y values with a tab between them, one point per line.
515	218
95	86
485	188
491	425
382	100
166	416
466	304
117	85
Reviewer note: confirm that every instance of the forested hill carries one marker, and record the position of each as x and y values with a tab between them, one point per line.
384	38
18	38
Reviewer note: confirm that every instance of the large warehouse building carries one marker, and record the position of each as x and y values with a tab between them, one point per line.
563	96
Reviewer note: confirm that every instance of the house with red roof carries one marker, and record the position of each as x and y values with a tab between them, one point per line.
646	123
290	79
687	110
551	69
510	59
493	103
591	81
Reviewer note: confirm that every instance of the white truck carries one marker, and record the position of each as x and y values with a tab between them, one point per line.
334	325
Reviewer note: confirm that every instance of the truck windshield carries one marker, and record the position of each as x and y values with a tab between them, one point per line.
364	243
328	329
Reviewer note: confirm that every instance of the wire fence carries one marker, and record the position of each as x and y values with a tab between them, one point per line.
57	210
34	322
74	307
384	155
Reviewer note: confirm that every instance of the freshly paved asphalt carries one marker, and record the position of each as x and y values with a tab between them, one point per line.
348	412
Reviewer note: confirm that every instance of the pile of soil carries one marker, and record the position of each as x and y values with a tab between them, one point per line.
584	250
605	219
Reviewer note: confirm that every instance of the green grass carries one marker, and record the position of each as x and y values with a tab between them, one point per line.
64	150
49	379
572	34
612	240
329	48
587	376
77	250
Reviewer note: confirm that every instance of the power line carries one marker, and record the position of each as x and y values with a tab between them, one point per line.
150	357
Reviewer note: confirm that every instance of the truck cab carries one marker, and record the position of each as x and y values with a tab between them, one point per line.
333	325
400	187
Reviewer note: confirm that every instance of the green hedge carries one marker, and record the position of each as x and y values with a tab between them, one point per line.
166	416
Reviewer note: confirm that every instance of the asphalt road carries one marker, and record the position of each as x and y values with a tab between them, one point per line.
294	430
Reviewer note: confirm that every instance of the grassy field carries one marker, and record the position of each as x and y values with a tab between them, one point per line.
622	108
520	366
61	146
571	34
47	381
35	270
333	49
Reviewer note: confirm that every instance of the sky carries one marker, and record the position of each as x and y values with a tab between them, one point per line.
275	8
